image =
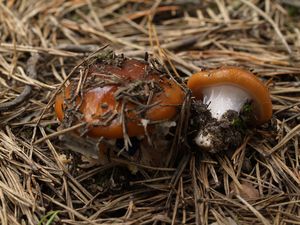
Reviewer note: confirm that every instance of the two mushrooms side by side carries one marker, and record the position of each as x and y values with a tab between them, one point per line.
131	105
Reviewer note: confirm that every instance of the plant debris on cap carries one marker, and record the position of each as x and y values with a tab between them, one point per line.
114	94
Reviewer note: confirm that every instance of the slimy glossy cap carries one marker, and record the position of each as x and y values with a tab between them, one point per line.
101	106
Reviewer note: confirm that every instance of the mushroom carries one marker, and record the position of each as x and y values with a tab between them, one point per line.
119	99
226	92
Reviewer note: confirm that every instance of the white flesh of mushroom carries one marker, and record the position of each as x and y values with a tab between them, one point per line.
222	98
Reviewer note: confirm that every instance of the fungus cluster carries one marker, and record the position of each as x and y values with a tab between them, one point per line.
131	104
119	99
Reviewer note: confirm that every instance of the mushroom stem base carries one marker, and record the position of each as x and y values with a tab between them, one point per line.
104	151
215	135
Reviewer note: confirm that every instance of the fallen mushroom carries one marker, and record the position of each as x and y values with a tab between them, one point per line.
229	93
123	101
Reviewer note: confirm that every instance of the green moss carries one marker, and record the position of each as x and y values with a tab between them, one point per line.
293	11
105	55
247	108
237	122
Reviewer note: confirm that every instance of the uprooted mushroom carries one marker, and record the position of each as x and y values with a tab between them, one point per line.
233	98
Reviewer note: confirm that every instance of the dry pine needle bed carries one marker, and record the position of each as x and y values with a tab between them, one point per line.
44	43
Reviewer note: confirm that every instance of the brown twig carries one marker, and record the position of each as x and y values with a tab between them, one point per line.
25	94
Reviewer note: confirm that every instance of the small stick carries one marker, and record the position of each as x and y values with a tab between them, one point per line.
78	48
47	137
25	94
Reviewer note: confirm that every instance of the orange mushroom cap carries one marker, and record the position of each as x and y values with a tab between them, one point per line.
103	112
261	101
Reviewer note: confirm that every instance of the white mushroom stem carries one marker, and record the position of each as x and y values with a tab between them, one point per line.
222	98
